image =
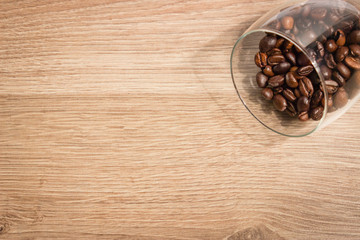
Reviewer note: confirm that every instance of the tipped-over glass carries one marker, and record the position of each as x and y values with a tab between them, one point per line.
296	69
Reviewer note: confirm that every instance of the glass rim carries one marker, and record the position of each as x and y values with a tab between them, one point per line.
303	50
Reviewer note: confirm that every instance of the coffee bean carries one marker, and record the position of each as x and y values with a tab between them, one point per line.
329	59
318	13
305	86
326	72
287	22
352	62
279	42
275	60
338	78
340	98
312	53
308	37
317	97
295	30
303	60
331	86
290	109
354	37
305	70
317	113
268	71
291	57
320	49
267	93
355	50
274	51
267	43
276	81
261	79
340	38
282	68
291	80
297	92
287	45
303	116
343	70
306	11
333	17
261	59
278	90
331	46
293	69
289	95
279	103
303	104
341	53
276	24
303	23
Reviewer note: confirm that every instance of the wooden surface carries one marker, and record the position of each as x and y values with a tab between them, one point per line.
119	120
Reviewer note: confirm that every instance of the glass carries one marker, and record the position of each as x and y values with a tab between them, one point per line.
303	24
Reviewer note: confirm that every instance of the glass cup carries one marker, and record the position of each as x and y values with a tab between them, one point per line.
296	69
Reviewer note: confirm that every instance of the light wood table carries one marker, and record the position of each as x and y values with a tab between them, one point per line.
119	120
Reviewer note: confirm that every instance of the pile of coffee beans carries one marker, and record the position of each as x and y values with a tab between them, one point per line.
287	76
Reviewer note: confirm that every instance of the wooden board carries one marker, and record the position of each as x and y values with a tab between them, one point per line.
119	120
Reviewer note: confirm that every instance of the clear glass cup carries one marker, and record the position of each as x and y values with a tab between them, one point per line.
303	24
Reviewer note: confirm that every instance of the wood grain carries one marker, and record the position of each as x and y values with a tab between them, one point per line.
119	121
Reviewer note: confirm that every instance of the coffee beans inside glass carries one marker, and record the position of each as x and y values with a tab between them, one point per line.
297	68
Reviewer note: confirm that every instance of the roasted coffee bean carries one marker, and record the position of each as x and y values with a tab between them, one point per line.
322	38
291	80
343	70
305	86
267	93
354	37
282	68
291	57
303	60
331	46
297	92
322	28
287	22
303	104
308	37
312	53
267	43
290	109
317	113
330	102
289	95
340	38
295	30
303	116
276	81
331	86
338	78
261	79
326	72
317	97
279	102
306	11
315	79
278	90
275	60
340	98
268	71
333	17
341	53
276	24
303	23
320	49
355	50
305	70
279	42
261	59
318	13
274	51
329	59
287	45
293	69
352	62
346	26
